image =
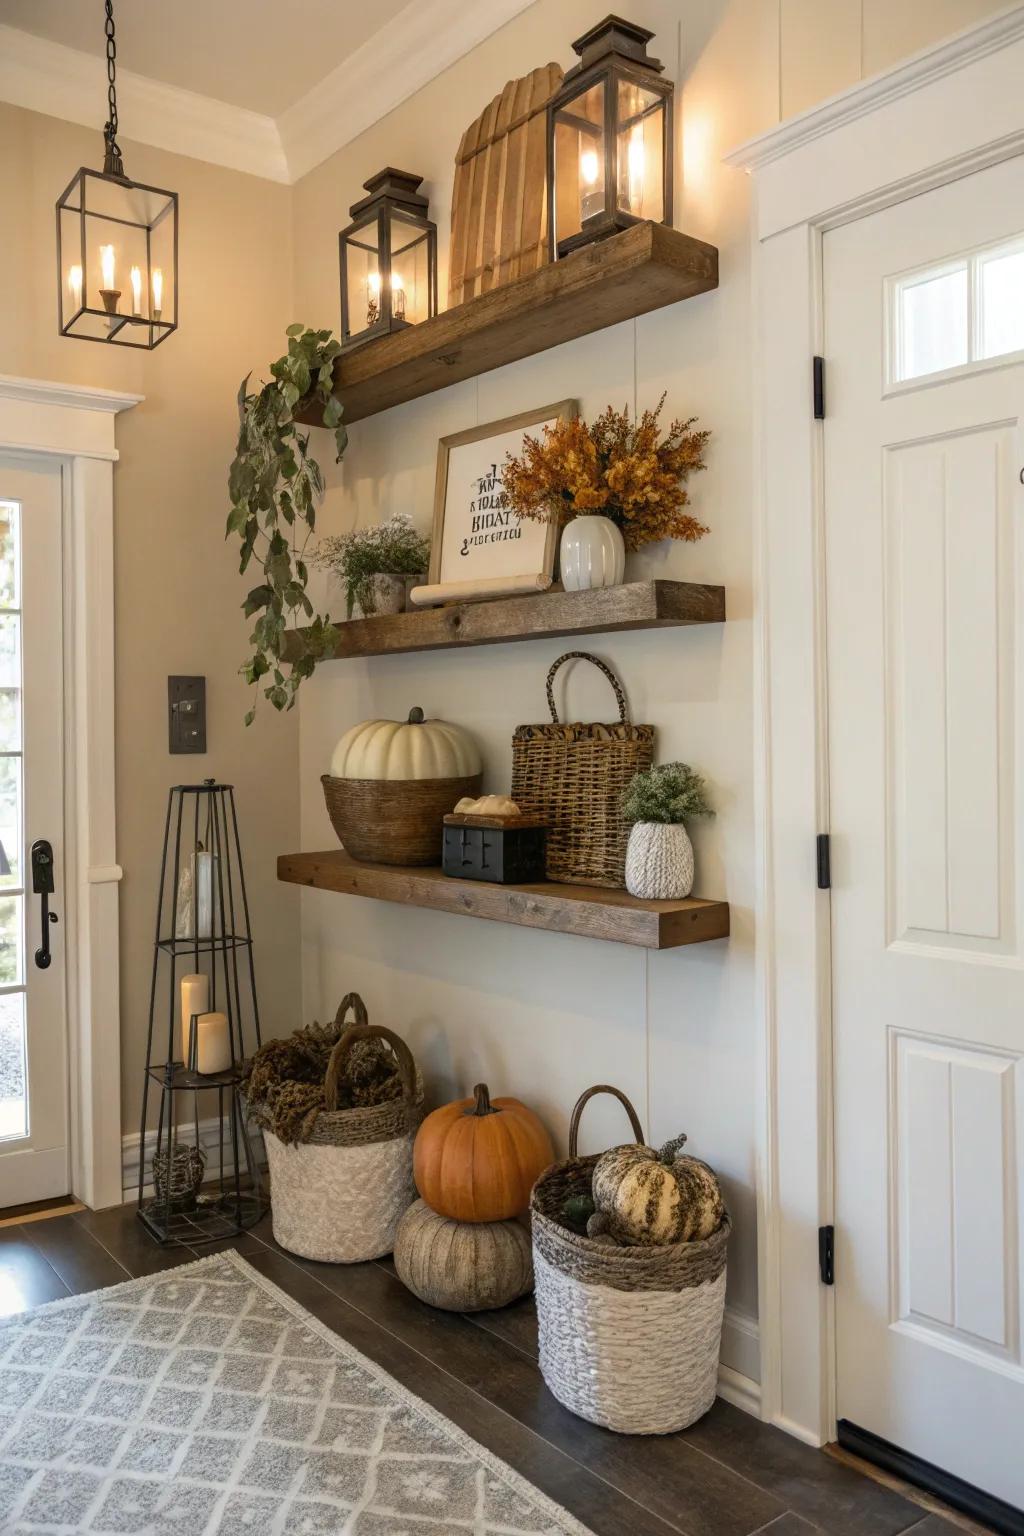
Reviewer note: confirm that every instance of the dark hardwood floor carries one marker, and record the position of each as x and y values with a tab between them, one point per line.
728	1475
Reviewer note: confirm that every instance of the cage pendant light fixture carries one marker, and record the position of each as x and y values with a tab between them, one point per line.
117	245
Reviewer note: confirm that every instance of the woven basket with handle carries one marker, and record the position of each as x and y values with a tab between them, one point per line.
340	1195
574	775
629	1337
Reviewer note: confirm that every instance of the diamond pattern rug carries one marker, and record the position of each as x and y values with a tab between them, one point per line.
205	1400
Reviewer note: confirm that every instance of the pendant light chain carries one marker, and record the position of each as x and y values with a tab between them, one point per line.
113	165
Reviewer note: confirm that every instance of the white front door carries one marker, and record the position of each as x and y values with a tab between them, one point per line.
33	1035
924	341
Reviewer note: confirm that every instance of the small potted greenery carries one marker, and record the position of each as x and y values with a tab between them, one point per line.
659	856
377	565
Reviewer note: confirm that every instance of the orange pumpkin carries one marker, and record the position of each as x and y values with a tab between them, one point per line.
477	1160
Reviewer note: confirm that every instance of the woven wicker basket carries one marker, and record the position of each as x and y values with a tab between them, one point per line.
340	1195
629	1337
394	821
573	776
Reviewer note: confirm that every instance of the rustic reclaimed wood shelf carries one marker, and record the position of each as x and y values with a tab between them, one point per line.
585	910
634	605
643	268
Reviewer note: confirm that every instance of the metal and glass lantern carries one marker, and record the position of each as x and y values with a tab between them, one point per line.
388	259
609	139
117	246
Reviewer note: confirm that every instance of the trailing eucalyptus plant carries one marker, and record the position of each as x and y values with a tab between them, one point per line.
275	486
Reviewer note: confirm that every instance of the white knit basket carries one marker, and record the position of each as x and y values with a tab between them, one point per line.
629	1336
339	1204
659	861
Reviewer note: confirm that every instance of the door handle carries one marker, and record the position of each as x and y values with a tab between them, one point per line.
42	886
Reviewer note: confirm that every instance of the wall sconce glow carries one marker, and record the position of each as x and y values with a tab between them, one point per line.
105	224
609	136
388	259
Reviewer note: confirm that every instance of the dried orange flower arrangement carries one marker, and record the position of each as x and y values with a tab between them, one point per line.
613	468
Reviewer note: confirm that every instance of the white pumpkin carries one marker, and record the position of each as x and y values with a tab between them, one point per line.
651	1197
405	749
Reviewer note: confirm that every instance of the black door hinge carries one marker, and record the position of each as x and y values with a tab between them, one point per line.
827	1255
819	389
824	862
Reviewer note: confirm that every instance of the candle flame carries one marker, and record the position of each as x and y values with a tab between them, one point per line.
75	283
158	288
589	167
107	265
136	280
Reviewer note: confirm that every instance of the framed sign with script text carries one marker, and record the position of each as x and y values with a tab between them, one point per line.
479	547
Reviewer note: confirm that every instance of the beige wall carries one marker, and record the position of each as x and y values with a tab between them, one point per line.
177	588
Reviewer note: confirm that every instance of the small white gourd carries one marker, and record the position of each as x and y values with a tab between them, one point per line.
651	1197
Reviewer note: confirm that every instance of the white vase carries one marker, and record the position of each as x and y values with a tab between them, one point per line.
659	861
591	554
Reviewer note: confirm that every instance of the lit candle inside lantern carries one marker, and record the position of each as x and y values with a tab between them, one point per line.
195	998
213	1043
108	293
158	292
75	285
136	281
591	195
373	298
398	296
635	168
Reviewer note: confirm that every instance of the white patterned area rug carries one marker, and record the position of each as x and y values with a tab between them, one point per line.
204	1401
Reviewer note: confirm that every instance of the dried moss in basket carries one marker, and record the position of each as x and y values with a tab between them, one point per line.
284	1083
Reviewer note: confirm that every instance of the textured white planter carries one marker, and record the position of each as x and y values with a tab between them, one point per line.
384	594
591	554
659	861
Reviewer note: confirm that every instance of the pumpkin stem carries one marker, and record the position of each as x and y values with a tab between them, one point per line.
415	715
483	1105
668	1152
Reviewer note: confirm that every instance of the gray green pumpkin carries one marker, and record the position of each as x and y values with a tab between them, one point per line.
462	1266
654	1197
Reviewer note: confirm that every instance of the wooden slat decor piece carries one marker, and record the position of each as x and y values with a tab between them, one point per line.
634	605
579	909
629	274
499	202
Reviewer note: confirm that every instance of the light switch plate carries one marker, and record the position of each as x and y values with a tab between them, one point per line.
186	714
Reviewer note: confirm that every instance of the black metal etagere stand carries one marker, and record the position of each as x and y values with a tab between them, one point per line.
202	888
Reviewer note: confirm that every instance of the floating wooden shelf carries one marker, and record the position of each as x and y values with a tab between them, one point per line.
641	269
635	605
586	910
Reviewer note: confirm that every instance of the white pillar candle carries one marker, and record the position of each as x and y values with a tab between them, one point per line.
195	998
213	1044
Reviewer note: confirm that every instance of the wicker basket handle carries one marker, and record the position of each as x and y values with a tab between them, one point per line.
581	1103
340	1054
354	1001
620	697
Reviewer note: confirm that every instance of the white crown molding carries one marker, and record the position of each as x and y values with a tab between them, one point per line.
67	83
921	69
422	41
79	397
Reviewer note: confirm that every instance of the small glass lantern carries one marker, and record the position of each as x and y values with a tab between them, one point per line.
117	256
609	139
388	259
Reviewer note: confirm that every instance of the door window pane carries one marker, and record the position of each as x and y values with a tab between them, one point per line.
933	324
10	940
1002	304
9	535
10	682
13	1098
10	822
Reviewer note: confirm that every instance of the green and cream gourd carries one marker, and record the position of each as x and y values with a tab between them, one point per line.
654	1197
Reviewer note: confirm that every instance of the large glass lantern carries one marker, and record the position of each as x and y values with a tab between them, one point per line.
609	139
388	259
117	247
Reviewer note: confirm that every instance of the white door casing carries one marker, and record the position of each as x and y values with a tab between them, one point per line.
924	555
34	1139
74	427
952	109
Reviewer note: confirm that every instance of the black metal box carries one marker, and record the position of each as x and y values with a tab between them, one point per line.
507	852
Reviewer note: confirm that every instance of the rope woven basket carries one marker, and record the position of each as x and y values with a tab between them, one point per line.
340	1195
394	821
629	1337
573	775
